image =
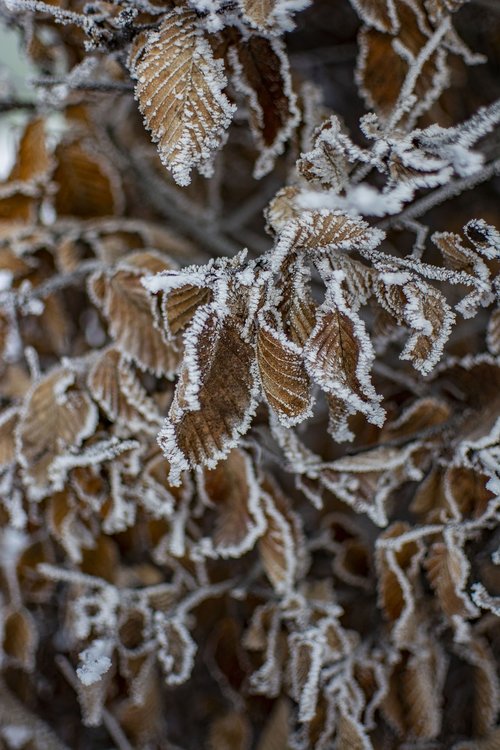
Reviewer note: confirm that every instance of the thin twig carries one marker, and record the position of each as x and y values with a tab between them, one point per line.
100	86
109	721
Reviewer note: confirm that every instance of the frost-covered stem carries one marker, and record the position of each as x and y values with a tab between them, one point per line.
60	281
59	14
109	721
444	193
104	87
413	74
410	536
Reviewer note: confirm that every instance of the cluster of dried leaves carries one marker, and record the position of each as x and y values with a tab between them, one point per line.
250	498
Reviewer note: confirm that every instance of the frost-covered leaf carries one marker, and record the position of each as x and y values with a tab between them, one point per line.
339	355
486	699
421	696
271	15
281	548
327	163
322	230
176	648
262	74
233	492
118	391
424	310
127	307
179	89
215	397
385	60
398	569
285	381
447	571
180	305
493	332
378	13
55	418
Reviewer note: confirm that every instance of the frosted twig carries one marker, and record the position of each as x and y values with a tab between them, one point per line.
109	721
61	281
102	86
395	543
415	69
59	14
444	193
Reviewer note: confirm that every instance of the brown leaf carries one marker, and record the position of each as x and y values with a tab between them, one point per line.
424	310
318	230
447	571
262	74
281	548
116	388
232	731
259	12
232	489
179	90
20	638
397	569
33	161
127	307
338	357
180	305
55	418
275	733
423	414
88	184
283	375
421	696
493	333
8	421
382	68
215	397
350	733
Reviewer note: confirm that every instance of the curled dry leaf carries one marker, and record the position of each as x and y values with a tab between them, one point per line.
215	397
127	307
118	391
281	547
234	493
56	417
262	74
